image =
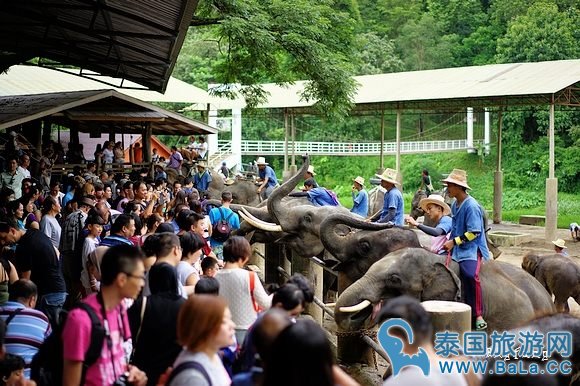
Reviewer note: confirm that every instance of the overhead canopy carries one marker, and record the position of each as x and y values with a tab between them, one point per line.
99	111
134	40
477	86
25	80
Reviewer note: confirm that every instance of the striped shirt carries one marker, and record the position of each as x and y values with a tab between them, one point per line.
25	333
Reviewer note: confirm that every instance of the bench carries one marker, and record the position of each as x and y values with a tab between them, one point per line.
530	219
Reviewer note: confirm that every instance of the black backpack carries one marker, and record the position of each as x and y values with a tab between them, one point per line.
221	230
47	365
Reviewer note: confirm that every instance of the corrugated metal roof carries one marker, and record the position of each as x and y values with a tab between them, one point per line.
490	85
135	40
27	80
129	115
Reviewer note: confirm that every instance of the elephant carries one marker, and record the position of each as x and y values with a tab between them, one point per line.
560	276
357	244
511	296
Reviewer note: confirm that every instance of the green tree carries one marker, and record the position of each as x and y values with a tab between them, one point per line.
423	45
460	17
376	55
283	41
543	33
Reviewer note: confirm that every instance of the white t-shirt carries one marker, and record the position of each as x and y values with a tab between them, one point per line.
89	246
184	270
108	156
49	226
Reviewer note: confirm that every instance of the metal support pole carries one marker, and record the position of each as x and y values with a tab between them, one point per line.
498	175
382	165
551	185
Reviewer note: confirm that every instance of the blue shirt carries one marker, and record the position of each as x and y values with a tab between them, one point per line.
321	197
67	197
216	214
269	172
201	181
361	203
393	199
25	333
468	217
112	240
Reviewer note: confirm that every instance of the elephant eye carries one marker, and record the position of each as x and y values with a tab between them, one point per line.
365	246
308	218
394	279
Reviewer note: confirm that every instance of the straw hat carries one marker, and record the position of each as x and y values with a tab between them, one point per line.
560	243
261	161
311	170
359	180
457	177
437	200
389	175
229	181
201	164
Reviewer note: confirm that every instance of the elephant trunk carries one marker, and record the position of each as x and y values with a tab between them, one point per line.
275	199
355	305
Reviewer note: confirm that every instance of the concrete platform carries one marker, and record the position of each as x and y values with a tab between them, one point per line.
508	239
530	219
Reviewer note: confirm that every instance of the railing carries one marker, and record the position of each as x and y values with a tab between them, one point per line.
224	150
349	148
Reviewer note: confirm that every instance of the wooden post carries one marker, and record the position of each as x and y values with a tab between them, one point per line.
551	184
498	175
274	254
285	140
146	143
314	273
258	259
382	155
352	349
449	316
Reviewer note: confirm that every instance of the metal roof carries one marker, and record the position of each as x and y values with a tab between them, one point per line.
27	80
134	40
485	86
97	111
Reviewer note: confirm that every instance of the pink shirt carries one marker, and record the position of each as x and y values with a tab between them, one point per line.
76	338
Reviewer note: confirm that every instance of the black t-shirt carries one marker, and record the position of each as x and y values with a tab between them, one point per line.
36	253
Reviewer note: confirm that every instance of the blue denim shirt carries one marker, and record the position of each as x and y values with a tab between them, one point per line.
269	172
393	199
202	181
361	203
468	217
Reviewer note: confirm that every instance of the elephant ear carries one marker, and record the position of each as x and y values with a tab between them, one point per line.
441	284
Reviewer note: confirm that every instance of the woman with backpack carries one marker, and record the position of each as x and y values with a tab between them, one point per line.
241	287
204	325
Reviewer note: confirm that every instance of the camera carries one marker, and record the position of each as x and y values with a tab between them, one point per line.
123	380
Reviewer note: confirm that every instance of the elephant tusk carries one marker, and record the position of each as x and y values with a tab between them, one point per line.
260	224
356	308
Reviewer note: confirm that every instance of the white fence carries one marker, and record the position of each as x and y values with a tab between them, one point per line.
349	148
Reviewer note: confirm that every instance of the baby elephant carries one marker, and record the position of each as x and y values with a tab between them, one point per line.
560	276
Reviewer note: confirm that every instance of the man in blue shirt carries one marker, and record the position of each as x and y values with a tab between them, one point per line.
202	178
223	212
267	178
393	203
360	197
467	243
318	196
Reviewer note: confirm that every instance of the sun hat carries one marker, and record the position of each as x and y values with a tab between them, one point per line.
311	170
261	161
389	175
560	243
229	181
201	164
437	200
457	177
359	180
87	201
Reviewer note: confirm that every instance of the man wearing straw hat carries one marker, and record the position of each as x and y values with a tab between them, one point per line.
360	197
438	211
309	175
560	247
467	244
267	178
393	203
202	178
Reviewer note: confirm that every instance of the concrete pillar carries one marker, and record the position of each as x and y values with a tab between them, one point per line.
285	140
293	128
212	139
237	137
469	140
551	186
486	131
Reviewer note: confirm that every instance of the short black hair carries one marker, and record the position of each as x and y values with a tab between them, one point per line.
411	310
119	259
22	289
226	196
236	248
208	262
289	296
123	220
190	243
309	182
9	364
165	242
207	285
302	282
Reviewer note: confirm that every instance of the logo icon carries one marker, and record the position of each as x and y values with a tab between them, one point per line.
393	346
